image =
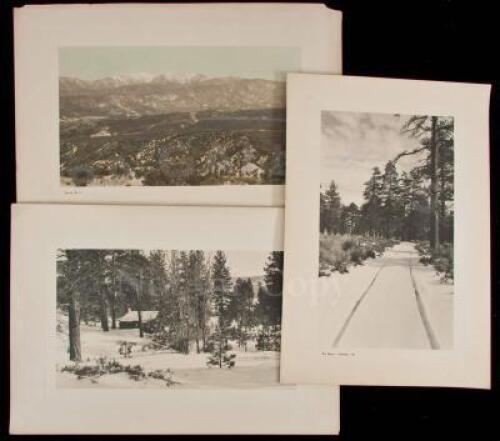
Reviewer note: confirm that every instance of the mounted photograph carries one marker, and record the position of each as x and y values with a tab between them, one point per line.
157	318
386	228
162	104
173	116
171	324
386	233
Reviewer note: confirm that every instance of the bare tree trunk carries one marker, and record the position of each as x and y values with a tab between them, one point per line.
188	337
75	349
139	317
197	325
113	300
113	311
434	214
103	307
245	337
221	342
204	337
103	313
139	306
204	320
442	200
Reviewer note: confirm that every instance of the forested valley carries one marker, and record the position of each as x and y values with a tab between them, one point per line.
167	131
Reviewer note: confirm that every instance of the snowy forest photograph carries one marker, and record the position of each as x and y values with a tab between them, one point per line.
386	229
168	318
173	116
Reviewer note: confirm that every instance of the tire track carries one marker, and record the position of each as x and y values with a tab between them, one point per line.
433	341
355	307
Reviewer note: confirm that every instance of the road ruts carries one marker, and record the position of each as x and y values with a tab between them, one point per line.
389	312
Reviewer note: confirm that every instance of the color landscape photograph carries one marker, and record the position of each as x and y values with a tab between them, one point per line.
173	116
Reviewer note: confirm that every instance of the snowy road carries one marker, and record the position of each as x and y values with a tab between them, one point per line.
392	301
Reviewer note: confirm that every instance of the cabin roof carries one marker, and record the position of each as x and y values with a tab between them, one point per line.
131	316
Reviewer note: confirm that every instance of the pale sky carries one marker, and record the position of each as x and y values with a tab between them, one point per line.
353	143
91	63
247	263
244	263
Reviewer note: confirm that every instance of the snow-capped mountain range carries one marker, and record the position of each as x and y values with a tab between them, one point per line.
68	84
146	94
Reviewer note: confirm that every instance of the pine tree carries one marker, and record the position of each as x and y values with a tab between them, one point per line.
134	271
221	295
372	208
435	135
242	308
272	301
198	294
76	275
350	219
330	209
221	285
184	300
389	194
70	268
158	276
219	355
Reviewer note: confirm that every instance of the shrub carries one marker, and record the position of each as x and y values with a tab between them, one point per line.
269	340
154	178
426	260
337	251
135	372
102	366
219	355
163	374
169	339
423	247
369	254
348	244
81	175
125	348
331	254
443	261
356	255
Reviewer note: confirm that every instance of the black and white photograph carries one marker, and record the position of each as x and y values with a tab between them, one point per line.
173	116
386	228
386	237
168	318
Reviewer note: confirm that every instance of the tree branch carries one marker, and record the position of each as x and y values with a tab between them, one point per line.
408	153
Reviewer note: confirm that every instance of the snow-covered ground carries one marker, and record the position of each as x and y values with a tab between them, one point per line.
376	304
253	368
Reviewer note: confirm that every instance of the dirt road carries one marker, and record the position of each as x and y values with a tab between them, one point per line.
392	301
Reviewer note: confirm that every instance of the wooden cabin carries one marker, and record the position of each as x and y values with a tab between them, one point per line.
131	320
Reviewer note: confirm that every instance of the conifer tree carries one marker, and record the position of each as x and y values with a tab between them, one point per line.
274	283
221	301
372	208
331	209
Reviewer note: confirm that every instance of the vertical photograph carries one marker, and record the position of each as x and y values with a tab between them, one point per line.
386	230
173	116
168	318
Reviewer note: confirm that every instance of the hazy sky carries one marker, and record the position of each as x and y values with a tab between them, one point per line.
247	263
353	143
241	263
252	62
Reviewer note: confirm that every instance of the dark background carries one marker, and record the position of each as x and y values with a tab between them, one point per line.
431	40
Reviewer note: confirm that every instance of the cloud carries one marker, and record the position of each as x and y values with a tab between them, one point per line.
353	143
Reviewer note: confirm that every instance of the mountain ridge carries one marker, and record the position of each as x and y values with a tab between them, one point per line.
137	95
